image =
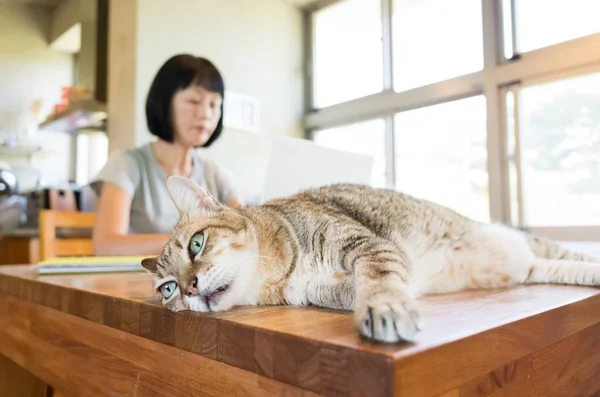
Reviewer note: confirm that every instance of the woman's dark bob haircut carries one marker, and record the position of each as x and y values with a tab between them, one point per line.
178	73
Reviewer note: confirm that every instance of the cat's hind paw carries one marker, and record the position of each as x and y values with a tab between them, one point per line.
388	317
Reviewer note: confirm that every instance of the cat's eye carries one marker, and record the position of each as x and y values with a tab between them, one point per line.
168	288
196	243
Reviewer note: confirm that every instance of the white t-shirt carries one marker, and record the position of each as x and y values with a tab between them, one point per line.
137	172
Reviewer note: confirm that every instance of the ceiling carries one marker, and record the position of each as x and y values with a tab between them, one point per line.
42	3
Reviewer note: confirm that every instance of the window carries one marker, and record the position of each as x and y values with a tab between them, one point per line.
540	23
348	53
92	154
364	138
514	139
441	156
559	135
435	40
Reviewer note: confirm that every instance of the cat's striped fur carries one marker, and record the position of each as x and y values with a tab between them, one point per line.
348	247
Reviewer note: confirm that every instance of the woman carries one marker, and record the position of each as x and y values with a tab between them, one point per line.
184	110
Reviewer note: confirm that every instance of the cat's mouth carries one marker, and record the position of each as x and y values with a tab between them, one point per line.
221	289
213	297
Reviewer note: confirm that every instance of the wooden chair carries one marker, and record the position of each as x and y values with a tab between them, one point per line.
51	246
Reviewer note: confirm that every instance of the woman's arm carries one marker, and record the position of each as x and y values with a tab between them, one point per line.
110	236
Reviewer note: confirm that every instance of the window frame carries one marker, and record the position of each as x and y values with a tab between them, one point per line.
500	73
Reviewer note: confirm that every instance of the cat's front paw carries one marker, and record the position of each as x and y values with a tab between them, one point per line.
388	317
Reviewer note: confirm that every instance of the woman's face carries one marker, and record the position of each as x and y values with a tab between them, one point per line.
196	113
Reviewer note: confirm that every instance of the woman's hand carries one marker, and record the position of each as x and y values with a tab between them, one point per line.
110	235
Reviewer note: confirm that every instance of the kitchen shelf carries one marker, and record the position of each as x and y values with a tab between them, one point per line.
84	114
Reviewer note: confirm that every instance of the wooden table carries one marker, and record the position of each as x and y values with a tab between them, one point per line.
107	335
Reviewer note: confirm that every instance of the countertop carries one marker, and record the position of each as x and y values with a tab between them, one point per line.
533	340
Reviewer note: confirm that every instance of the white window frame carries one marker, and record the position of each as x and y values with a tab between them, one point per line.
573	57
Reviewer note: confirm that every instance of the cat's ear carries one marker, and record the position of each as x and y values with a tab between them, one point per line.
189	197
150	264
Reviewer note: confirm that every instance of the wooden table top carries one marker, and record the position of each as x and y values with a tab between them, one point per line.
467	337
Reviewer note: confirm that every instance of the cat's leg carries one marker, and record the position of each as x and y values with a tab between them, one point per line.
385	309
555	271
332	290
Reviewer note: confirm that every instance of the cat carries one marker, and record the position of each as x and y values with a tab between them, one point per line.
372	251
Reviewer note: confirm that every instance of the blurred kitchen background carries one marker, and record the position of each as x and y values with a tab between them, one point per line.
55	110
490	107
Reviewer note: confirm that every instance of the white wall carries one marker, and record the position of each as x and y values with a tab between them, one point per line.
30	71
256	44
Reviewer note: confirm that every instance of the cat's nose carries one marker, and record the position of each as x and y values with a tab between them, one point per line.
192	289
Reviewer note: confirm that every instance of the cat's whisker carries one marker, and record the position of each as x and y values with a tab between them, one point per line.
273	266
263	256
276	267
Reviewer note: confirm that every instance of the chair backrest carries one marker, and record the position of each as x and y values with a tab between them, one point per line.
51	246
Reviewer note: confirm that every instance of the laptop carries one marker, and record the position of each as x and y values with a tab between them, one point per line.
299	164
266	167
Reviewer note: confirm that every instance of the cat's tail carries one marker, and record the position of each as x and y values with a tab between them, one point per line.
556	271
544	248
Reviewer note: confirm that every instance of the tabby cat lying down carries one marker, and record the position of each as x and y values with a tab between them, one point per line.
345	247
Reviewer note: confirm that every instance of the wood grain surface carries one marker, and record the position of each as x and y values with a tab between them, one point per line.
15	381
88	359
536	340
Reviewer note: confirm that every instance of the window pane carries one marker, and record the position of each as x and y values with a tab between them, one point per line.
540	23
441	155
364	138
560	151
435	40
348	52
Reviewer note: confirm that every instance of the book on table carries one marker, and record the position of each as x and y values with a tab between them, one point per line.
91	264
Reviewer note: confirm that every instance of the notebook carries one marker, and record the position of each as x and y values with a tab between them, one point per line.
92	264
